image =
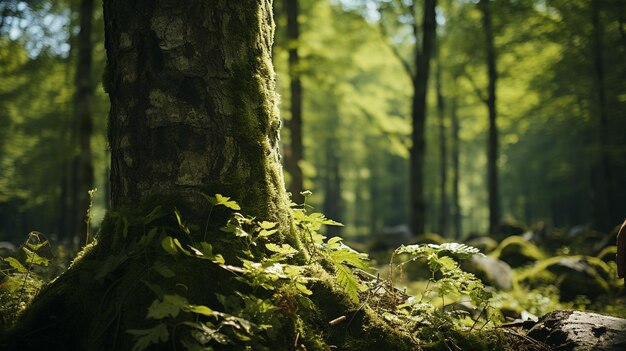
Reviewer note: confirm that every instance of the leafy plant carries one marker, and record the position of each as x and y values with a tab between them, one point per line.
21	281
342	258
447	280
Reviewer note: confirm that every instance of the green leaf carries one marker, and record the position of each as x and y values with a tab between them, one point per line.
181	248
33	258
169	306
225	201
283	250
147	337
168	245
331	222
303	289
334	242
265	233
347	280
37	246
15	264
351	257
182	225
267	225
200	309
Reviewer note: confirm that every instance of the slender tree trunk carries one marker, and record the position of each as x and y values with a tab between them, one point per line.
375	209
418	113
492	144
333	204
456	208
83	117
606	179
296	154
443	152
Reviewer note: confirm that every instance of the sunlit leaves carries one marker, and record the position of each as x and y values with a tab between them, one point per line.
225	201
282	250
15	264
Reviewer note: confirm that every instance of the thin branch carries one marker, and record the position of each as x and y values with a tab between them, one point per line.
386	39
477	89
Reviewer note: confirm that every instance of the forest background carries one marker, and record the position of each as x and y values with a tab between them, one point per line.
560	97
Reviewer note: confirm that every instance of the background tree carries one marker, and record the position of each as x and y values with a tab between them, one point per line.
83	100
418	71
492	144
294	153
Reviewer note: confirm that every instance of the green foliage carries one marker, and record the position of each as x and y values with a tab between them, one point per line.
448	281
22	279
341	257
243	319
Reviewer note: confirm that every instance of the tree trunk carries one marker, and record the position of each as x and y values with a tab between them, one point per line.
443	152
333	204
296	150
83	117
492	144
418	113
192	104
193	111
605	221
456	207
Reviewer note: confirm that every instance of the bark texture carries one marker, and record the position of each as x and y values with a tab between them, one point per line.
193	106
580	331
418	113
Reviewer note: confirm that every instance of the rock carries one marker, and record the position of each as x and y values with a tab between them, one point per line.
491	271
577	276
580	331
517	252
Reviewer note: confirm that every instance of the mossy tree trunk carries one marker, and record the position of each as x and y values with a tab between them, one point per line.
193	112
192	103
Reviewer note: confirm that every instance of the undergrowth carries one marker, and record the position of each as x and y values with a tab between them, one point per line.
321	296
23	277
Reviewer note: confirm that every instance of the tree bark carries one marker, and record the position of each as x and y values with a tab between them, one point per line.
193	106
193	111
492	144
83	117
418	113
296	149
